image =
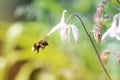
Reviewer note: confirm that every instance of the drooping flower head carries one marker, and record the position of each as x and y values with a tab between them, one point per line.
114	30
65	30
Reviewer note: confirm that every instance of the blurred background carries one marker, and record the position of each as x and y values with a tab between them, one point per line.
24	22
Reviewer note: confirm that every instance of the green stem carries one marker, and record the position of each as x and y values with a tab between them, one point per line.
91	41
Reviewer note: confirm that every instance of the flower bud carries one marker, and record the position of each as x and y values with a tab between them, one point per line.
96	18
98	34
118	57
100	9
104	56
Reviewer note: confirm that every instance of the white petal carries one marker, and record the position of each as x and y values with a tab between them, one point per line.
118	23
118	29
54	28
118	35
62	33
118	38
116	16
65	33
75	33
63	16
112	34
113	29
106	34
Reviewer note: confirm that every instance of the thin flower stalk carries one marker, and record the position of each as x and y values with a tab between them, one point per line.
91	41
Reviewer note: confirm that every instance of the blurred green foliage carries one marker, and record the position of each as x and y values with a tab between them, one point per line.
58	61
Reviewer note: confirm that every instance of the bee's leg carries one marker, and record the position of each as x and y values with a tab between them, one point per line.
37	49
42	47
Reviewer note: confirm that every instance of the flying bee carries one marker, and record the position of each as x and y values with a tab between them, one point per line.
41	44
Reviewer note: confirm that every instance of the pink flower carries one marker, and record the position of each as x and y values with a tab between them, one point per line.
98	19
118	57
98	16
104	56
100	9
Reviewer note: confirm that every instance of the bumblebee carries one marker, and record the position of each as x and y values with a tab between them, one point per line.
41	44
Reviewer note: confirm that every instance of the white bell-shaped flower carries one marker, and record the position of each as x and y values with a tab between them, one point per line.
65	30
114	30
